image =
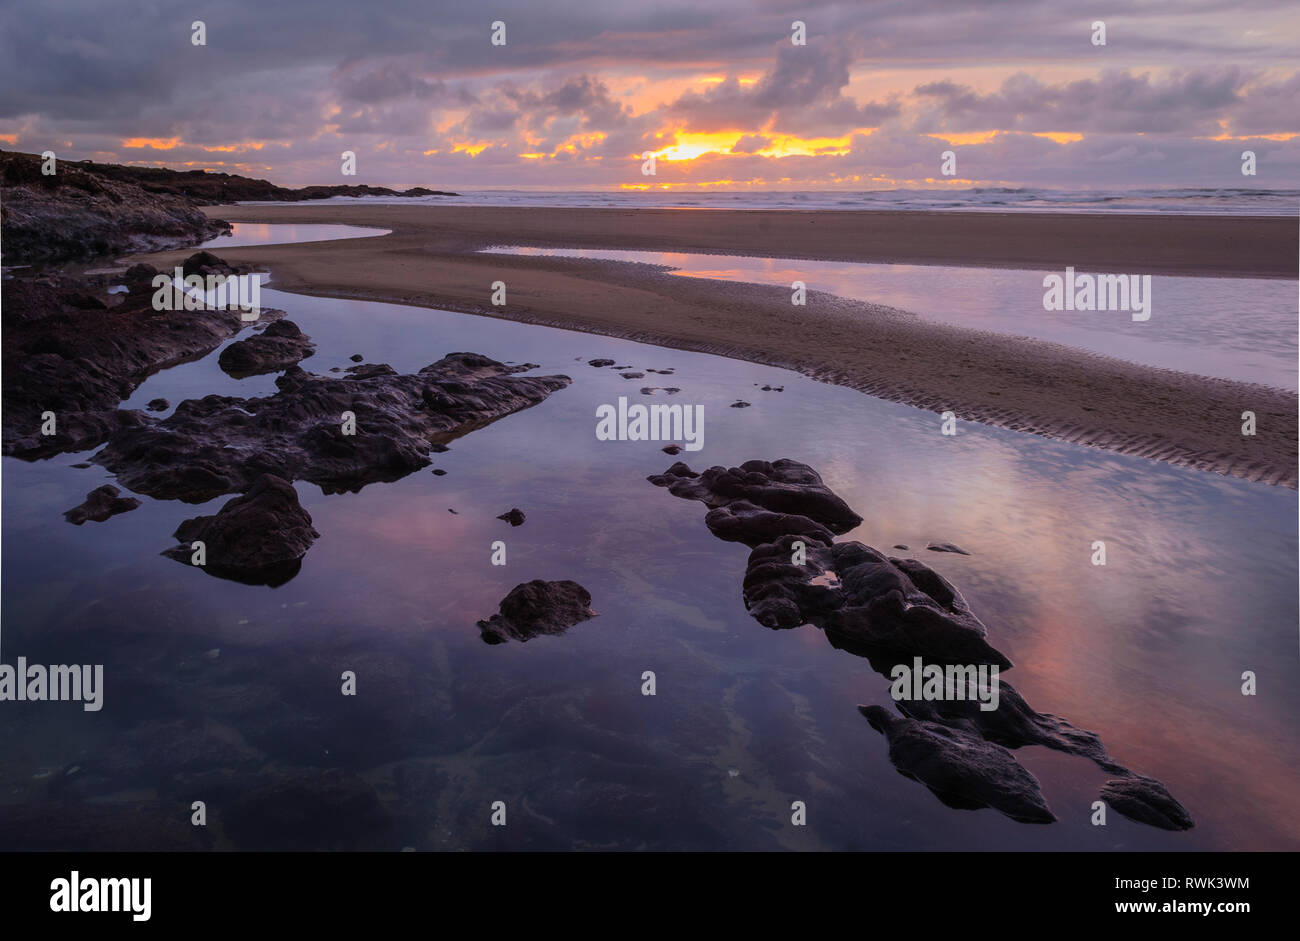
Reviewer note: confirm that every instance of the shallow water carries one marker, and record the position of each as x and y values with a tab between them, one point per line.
1230	328
279	233
1148	651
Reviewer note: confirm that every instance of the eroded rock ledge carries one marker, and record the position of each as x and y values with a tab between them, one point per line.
221	444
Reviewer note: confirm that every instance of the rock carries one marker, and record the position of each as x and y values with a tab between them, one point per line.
1147	801
882	609
946	547
598	363
101	503
632	375
962	770
258	538
515	517
356	357
77	214
278	347
439	472
81	366
439	448
222	444
538	607
739	404
671	390
672	449
900	546
1013	724
158	405
876	604
782	486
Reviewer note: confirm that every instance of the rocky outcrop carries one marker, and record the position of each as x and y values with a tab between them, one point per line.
783	487
101	503
203	187
890	610
78	365
76	213
537	607
276	348
339	432
961	769
258	538
1147	801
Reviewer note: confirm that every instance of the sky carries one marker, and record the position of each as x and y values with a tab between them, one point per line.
717	90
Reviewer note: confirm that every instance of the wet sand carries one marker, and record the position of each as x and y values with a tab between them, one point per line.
1026	385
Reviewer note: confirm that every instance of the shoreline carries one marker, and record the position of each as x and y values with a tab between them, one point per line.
430	260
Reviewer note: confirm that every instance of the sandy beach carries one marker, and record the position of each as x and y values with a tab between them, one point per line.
430	260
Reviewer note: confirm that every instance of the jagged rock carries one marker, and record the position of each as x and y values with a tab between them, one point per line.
515	517
278	347
874	604
75	214
1147	801
1013	724
101	503
538	607
946	547
960	768
221	444
258	538
80	365
782	486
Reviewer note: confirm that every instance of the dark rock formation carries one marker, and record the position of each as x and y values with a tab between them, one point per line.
101	503
258	538
633	375
221	444
598	363
158	405
739	404
515	517
1147	801
74	213
883	608
278	347
782	486
961	769
673	449
538	607
79	364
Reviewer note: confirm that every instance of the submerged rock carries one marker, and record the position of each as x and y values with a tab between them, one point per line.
598	363
222	444
961	769
538	607
946	547
258	538
101	503
278	347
